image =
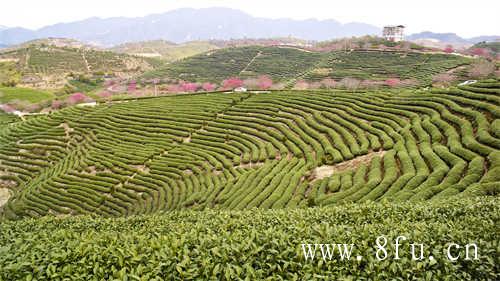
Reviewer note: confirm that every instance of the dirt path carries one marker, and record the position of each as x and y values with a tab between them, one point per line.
452	70
251	61
87	66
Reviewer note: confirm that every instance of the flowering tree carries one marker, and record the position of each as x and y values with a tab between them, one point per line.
301	85
264	82
328	83
189	87
76	98
448	49
392	82
479	52
109	83
208	87
443	79
350	83
232	83
7	108
174	88
56	104
34	107
132	86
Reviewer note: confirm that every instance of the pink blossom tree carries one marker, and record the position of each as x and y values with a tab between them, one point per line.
479	52
393	82
189	87
132	86
449	49
174	88
232	83
76	98
301	85
208	87
56	104
264	82
7	108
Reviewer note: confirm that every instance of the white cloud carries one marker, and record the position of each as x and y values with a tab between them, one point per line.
464	18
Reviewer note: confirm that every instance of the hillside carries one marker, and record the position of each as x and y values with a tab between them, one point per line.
283	149
47	66
286	64
164	50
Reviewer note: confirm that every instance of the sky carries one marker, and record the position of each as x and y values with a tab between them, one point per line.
466	18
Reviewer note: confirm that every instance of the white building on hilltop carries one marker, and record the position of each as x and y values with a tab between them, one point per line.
394	33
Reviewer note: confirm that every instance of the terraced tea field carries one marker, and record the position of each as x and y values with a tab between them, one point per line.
283	149
289	64
34	63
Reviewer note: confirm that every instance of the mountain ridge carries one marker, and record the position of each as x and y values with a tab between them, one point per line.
178	26
187	24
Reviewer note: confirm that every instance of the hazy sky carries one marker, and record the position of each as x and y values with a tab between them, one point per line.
466	18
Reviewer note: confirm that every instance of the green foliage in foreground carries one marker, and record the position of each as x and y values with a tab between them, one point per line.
254	244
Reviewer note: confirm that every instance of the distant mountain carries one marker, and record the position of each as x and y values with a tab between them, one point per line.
164	49
450	38
3	27
184	25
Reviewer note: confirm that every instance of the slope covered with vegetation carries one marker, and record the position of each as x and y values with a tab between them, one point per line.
244	150
43	65
256	244
286	63
164	50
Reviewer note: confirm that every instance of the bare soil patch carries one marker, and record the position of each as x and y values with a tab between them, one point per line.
328	170
4	196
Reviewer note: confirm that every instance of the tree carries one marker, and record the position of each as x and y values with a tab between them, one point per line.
174	88
449	49
232	83
301	85
392	82
264	82
7	108
132	86
77	98
482	69
189	87
56	104
479	52
208	87
350	83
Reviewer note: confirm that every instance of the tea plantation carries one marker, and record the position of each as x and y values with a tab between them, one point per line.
245	150
226	186
284	64
255	244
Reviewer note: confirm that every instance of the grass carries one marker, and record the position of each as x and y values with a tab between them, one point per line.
9	94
